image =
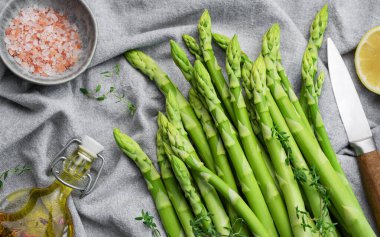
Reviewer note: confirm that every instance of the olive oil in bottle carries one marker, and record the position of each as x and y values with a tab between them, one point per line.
43	212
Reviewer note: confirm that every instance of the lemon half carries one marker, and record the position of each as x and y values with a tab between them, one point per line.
367	60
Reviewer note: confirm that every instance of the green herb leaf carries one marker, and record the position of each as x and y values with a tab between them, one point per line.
98	87
18	170
101	98
148	221
132	108
111	89
116	69
84	91
106	74
5	175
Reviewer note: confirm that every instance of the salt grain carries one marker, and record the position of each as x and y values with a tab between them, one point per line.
43	41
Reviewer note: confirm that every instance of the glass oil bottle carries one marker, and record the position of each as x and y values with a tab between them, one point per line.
43	212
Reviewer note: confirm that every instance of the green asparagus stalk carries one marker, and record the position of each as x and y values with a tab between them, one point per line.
205	38
256	125
289	90
182	62
222	166
217	148
184	150
310	191
174	114
301	170
319	84
193	47
317	204
184	178
254	121
310	92
243	170
210	196
175	194
317	121
250	143
317	30
149	67
316	201
153	179
312	101
223	41
342	199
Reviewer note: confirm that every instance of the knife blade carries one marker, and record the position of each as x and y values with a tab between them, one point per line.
357	128
347	99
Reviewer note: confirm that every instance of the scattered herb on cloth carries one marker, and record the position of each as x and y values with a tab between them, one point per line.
17	170
100	95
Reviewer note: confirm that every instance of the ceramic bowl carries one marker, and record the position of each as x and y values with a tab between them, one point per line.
78	13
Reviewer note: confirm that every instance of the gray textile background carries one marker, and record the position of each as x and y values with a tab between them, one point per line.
35	121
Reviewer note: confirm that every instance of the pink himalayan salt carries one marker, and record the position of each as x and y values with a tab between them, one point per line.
43	41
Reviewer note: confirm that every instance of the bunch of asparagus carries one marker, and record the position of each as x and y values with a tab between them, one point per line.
245	148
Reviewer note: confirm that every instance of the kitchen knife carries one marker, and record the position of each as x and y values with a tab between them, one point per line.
357	128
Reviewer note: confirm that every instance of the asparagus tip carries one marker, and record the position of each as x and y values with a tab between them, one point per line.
205	19
116	131
325	8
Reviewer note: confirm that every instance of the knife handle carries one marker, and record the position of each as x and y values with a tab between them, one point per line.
369	166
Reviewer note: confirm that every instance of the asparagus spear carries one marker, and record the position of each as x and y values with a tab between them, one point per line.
210	197
289	90
342	199
312	101
250	143
175	194
149	67
217	148
205	38
309	71
153	179
312	196
254	121
184	178
184	150
222	166
303	176
243	170
193	46
246	65
319	84
288	184
317	30
182	62
223	41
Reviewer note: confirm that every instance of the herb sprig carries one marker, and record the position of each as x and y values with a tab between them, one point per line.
199	231
115	71
148	221
111	91
18	170
322	226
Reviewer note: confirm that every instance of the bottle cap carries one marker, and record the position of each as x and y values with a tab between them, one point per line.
91	146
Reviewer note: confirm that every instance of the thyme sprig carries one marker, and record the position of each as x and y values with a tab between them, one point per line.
98	95
199	231
322	226
17	170
148	221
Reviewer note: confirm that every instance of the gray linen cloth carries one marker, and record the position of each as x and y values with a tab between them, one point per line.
36	121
